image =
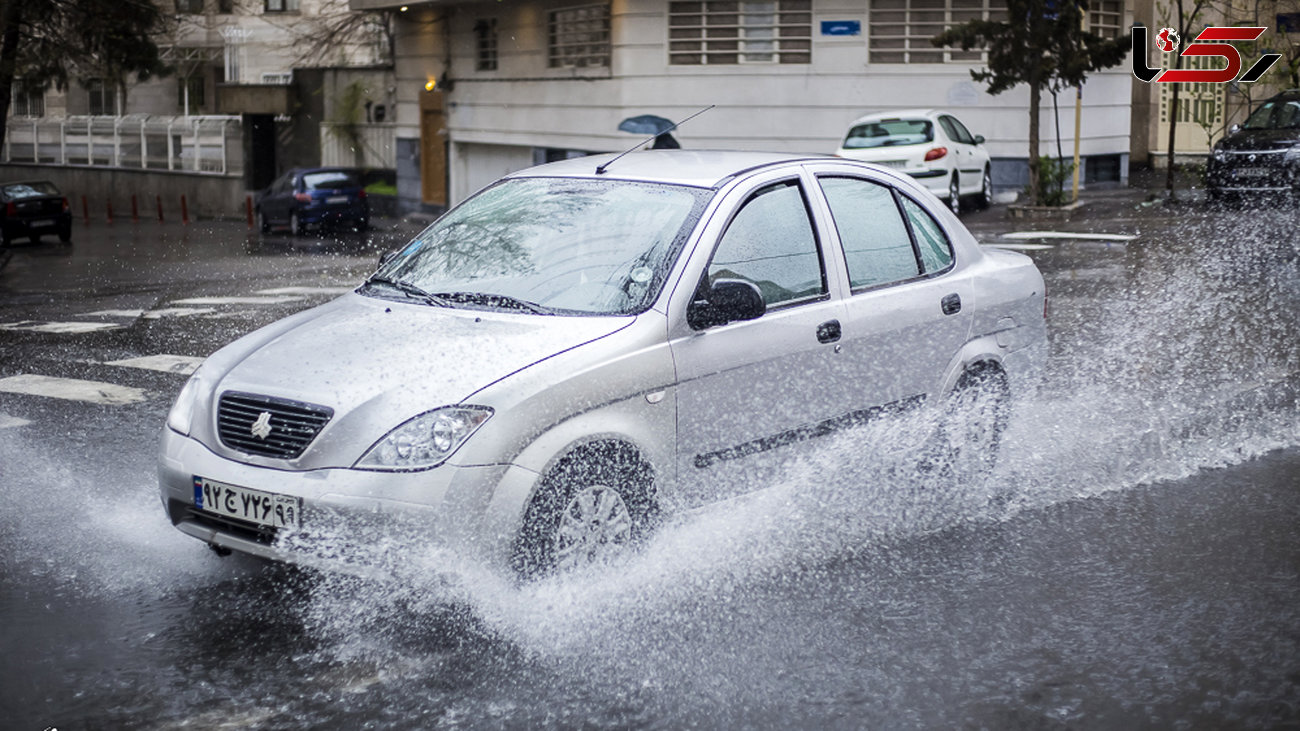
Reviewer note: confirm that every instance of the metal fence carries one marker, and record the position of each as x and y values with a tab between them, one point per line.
360	145
195	144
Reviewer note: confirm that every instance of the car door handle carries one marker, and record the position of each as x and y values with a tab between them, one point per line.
951	304
829	331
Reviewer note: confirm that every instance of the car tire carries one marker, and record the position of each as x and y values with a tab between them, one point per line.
591	508
295	226
263	225
986	189
954	195
65	234
974	418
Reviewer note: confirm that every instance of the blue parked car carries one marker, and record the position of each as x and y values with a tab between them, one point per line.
316	198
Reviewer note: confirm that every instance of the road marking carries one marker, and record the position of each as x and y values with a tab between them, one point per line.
60	327
153	314
306	290
182	364
1020	247
1030	235
9	422
262	300
72	389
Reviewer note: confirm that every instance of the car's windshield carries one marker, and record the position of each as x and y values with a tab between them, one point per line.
18	191
553	245
1275	115
889	132
329	179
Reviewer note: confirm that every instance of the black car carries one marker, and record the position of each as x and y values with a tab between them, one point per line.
32	208
314	197
1261	156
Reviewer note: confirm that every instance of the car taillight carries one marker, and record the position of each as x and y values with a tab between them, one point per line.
936	153
11	209
362	195
65	205
302	197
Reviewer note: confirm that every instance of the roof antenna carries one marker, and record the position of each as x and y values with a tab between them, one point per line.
600	169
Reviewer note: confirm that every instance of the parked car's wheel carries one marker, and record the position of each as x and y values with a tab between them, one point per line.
590	509
263	225
295	226
65	233
986	189
973	421
954	195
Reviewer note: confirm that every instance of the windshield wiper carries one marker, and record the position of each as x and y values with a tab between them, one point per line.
498	301
412	291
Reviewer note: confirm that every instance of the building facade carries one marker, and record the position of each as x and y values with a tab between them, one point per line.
484	88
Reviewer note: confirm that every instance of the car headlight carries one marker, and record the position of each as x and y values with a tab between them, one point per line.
1293	154
426	440
182	413
1219	155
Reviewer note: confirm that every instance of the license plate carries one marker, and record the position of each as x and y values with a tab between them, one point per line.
43	223
242	503
336	199
1256	171
896	164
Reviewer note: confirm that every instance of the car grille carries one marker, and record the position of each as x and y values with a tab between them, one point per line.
293	425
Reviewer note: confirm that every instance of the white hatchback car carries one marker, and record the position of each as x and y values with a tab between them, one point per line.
932	146
584	346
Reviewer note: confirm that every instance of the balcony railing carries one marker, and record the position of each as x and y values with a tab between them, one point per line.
208	145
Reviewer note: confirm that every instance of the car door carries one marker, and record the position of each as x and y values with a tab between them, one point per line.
908	312
970	166
273	205
748	391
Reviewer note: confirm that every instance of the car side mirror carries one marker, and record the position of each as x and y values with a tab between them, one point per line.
979	139
1234	129
728	300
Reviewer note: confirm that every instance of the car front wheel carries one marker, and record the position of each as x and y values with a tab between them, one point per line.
295	226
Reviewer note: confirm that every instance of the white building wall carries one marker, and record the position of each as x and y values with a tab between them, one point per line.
790	108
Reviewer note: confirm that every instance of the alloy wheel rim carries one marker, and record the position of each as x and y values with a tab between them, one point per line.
954	196
594	527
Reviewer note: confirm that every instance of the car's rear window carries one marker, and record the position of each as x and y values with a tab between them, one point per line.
329	180
18	191
889	132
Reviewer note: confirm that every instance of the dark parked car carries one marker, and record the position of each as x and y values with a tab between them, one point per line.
1261	156
32	208
314	197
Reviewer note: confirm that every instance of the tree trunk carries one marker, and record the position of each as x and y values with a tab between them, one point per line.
1183	23
9	26
1035	96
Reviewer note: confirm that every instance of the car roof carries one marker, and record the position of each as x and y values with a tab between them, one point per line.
700	168
901	114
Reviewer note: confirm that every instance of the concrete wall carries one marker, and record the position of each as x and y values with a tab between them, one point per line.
207	196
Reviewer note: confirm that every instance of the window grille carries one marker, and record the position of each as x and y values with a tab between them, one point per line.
901	29
27	102
578	37
485	34
718	32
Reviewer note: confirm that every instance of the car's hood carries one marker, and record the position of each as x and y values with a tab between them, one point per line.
359	354
1261	139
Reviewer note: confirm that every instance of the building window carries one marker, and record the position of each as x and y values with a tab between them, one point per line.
579	37
283	78
190	94
226	7
102	97
901	29
709	32
189	7
1105	16
485	34
27	102
281	6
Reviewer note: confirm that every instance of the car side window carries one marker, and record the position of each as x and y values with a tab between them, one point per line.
963	134
877	247
936	250
771	243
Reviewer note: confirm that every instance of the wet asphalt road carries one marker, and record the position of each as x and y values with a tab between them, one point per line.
1140	569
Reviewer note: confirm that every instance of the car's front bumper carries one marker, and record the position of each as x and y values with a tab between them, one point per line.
353	520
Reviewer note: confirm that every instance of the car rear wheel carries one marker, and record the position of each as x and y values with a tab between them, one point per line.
65	233
954	195
589	511
263	225
973	421
295	226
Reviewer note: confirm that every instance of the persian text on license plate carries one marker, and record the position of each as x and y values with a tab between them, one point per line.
242	503
43	223
1253	171
336	199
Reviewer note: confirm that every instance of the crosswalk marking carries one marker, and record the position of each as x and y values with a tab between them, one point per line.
72	389
306	290
60	327
182	364
9	422
249	300
1019	247
153	314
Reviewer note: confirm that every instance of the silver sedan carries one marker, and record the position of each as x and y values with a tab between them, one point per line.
585	346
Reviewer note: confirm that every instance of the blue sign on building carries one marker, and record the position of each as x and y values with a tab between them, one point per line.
841	27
